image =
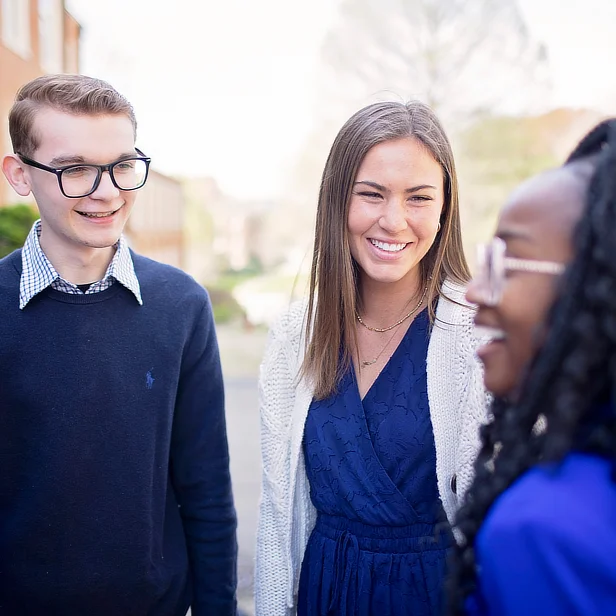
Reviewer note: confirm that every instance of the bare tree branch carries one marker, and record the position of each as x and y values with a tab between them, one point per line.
458	55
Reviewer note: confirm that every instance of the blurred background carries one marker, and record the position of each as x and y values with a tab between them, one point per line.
239	101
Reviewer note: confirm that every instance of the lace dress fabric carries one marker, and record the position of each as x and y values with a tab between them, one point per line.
380	543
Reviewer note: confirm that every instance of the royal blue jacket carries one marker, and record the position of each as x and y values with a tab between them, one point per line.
548	546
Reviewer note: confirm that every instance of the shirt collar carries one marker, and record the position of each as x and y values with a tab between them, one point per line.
38	273
123	270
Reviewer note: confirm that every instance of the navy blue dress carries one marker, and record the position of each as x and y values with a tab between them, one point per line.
381	538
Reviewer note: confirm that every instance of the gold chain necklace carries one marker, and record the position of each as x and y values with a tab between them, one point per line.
404	318
370	362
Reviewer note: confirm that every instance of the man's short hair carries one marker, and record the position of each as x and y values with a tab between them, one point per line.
74	94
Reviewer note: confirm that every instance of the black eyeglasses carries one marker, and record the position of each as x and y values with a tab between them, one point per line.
80	180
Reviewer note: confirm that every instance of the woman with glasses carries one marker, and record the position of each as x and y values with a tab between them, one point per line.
371	396
538	524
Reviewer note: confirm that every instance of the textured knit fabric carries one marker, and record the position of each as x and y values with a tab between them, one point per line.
380	543
115	495
548	545
38	273
458	405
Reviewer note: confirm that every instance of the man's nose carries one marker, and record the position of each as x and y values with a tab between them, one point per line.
106	189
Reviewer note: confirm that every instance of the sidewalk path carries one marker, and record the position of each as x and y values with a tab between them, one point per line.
241	354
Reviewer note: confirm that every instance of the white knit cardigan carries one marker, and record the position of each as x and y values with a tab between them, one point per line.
458	405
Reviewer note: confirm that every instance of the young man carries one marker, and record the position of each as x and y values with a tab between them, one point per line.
115	494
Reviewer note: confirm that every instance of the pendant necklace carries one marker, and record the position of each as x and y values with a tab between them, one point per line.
370	362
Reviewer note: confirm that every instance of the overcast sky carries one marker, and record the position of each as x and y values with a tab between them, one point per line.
227	88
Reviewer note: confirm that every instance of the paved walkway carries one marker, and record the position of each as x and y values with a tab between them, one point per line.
241	354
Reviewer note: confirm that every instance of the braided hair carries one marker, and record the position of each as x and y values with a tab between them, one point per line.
574	372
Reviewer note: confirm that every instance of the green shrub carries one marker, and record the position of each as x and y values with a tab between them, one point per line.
15	224
225	306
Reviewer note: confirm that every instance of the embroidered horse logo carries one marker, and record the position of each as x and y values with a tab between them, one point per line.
149	379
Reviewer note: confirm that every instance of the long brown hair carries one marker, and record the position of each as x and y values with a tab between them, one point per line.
333	299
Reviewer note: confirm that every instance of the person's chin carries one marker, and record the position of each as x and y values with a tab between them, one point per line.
498	381
102	240
388	278
387	272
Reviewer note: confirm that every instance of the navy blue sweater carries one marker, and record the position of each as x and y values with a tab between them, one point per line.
115	495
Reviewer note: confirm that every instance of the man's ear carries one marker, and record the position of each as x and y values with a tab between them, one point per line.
16	175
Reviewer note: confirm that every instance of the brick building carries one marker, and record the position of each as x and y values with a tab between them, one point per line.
36	37
156	225
39	37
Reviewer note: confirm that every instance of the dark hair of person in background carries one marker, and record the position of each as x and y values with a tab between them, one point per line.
334	277
572	374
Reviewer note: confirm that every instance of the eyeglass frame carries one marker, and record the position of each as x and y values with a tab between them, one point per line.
498	247
58	171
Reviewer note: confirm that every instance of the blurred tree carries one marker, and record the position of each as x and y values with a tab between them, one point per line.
459	56
468	59
225	307
497	153
506	150
15	224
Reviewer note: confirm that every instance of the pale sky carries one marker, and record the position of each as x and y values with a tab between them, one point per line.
581	39
227	88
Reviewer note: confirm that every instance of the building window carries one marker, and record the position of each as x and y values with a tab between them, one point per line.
51	27
16	26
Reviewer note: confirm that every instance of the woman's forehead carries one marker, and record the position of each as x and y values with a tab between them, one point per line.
549	203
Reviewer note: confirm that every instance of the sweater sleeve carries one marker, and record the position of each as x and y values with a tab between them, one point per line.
272	557
200	473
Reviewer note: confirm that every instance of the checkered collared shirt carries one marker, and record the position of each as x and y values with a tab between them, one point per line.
38	273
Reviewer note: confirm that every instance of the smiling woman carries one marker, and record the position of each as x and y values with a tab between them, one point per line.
537	527
393	221
371	396
529	251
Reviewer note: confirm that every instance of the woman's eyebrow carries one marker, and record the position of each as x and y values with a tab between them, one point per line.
383	188
372	184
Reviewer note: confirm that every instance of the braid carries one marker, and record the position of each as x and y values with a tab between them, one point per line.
592	143
575	369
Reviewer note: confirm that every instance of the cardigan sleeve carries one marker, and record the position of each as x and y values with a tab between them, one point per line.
476	406
457	396
272	551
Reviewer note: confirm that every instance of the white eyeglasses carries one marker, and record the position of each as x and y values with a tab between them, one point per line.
492	264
